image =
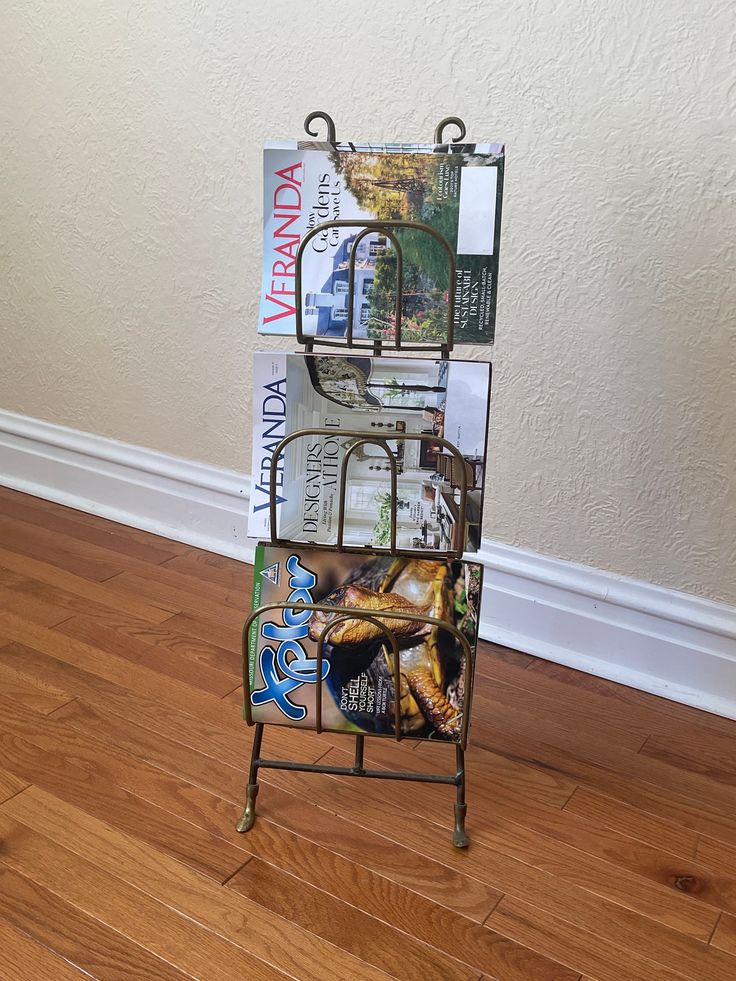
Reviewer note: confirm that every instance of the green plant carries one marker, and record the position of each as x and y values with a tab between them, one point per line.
394	388
382	528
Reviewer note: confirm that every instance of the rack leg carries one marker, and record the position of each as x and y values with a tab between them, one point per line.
359	743
248	819
459	835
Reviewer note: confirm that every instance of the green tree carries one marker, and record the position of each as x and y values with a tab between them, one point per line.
389	185
405	186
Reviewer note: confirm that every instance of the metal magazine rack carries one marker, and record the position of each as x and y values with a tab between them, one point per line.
456	728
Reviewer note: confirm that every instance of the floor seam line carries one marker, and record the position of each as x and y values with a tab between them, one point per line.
239	869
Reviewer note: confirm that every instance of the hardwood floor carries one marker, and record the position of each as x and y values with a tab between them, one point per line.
603	820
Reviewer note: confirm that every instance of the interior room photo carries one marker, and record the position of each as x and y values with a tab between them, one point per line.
367	496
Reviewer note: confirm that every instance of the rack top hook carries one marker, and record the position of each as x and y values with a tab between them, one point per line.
331	136
450	121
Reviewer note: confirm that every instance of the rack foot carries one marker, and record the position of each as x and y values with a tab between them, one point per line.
459	836
249	814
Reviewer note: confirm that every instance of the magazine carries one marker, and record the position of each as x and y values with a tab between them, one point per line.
454	189
386	398
358	672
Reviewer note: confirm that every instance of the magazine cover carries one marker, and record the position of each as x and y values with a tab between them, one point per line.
381	396
358	688
455	189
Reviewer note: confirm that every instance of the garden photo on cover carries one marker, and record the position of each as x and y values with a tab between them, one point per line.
456	195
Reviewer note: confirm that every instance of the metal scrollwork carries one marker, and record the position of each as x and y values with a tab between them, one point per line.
328	120
449	121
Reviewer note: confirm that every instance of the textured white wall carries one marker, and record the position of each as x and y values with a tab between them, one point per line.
130	236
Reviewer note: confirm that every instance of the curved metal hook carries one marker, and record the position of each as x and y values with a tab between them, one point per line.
331	136
450	121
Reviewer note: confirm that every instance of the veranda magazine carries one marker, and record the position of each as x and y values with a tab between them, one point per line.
455	190
426	400
358	677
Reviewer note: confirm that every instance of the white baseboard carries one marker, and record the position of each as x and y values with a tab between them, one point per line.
180	499
659	640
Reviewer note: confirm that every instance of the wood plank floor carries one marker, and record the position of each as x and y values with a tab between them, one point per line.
603	820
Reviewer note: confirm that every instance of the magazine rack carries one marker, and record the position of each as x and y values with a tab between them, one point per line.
455	727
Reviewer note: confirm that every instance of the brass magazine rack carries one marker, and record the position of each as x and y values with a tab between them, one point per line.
343	614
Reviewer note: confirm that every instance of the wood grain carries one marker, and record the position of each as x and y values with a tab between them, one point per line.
30	690
216	730
670	885
495	652
131	912
194	625
65	603
93	839
711	755
631	703
519	879
78	769
211	568
143	680
602	819
75	936
559	744
14	600
724	935
184	597
564	940
93	530
132	639
693	801
716	854
59	550
672	890
400	865
608	812
348	928
536	714
45	572
165	656
123	857
22	959
10	785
